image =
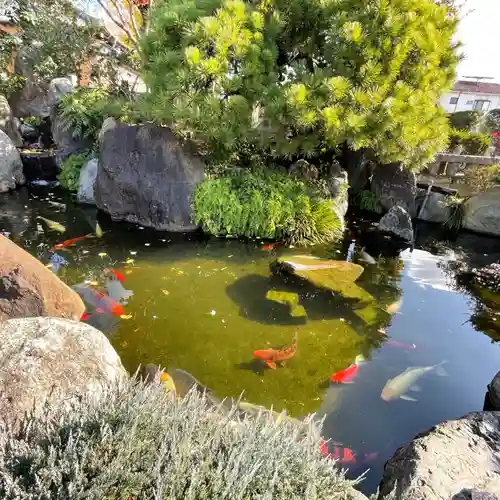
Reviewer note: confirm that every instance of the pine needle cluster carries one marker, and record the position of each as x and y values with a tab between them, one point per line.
293	77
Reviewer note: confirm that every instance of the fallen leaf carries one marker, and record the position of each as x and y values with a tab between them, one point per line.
93	283
49	266
98	230
125	316
102	254
165	292
129	261
133	252
128	271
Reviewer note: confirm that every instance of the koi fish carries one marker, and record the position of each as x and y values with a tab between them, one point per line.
84	317
52	224
395	307
273	356
398	386
68	243
270	246
117	274
344	455
102	302
402	345
347	375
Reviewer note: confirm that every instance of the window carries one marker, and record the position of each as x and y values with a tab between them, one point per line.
481	105
454	100
469	103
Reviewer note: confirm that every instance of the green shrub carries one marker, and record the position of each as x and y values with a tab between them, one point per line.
294	77
258	204
472	143
464	120
34	121
70	173
492	121
139	443
85	110
367	200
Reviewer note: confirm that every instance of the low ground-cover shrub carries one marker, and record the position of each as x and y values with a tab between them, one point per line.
137	442
260	204
472	143
70	173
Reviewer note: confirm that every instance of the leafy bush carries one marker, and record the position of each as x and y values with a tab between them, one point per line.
265	205
492	121
367	200
70	173
139	443
85	110
294	77
34	121
464	120
480	178
472	143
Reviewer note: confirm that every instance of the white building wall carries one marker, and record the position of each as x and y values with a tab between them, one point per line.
466	101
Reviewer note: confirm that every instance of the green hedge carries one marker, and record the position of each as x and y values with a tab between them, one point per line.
473	143
464	120
137	442
259	204
70	173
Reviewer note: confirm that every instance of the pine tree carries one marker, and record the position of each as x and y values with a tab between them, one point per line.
291	78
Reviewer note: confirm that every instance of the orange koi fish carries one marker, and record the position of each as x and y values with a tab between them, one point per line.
68	243
347	375
117	274
273	356
344	455
84	317
99	300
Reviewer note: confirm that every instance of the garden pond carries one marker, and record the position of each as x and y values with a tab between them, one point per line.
205	305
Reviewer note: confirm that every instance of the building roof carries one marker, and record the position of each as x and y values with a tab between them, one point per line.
476	87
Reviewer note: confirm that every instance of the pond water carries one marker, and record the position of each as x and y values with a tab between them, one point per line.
205	305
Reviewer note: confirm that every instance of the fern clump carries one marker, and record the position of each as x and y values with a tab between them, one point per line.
70	173
291	78
137	442
260	204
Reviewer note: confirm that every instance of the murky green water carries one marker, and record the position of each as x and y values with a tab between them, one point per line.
205	305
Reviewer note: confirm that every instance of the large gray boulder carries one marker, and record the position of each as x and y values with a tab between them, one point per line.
52	360
482	212
397	221
456	459
11	166
394	185
147	177
58	88
8	122
435	209
88	175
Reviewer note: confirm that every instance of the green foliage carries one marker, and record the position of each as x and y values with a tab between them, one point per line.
137	442
464	120
456	212
492	121
294	77
50	38
34	121
70	173
256	204
480	178
85	110
367	200
472	143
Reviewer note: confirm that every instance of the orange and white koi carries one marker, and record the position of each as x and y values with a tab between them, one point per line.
273	356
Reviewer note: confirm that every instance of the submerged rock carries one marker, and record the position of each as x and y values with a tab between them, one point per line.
51	360
449	459
147	177
88	175
11	166
435	209
397	221
28	288
394	185
482	212
290	299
